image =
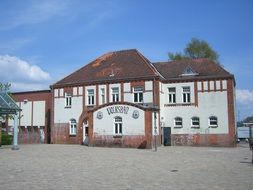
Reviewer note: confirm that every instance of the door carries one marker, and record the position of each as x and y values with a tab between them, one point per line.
167	137
85	133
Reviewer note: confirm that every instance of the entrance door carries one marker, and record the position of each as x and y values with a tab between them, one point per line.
85	133
167	137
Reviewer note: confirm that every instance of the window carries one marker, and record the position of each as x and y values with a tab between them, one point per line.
91	97
138	94
118	126
213	121
172	95
195	122
102	93
68	100
72	127
115	94
178	122
186	94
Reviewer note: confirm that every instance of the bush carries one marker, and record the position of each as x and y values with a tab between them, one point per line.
6	139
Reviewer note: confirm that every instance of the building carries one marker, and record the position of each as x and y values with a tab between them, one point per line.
34	122
122	99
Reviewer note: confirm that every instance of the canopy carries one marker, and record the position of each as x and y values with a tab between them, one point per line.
7	104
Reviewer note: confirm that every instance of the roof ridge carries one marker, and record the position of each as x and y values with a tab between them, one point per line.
148	63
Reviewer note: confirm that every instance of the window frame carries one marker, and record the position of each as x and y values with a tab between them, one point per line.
68	100
138	94
192	122
115	96
186	95
209	121
172	95
175	122
72	127
102	95
90	97
118	126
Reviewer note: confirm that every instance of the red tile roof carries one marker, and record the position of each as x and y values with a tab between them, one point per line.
204	68
131	65
113	66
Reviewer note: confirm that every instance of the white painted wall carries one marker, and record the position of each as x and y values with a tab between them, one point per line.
210	104
148	97
26	113
39	113
148	85
131	126
56	92
80	90
62	114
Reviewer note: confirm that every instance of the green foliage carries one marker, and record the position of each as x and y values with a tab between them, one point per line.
248	119
5	87
176	56
6	139
196	49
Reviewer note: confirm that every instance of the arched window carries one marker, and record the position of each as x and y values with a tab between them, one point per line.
178	122
118	126
72	127
195	122
213	121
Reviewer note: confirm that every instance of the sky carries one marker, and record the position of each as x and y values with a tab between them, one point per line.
42	41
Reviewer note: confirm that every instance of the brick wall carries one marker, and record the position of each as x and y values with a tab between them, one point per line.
60	134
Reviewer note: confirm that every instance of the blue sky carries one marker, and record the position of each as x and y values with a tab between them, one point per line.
43	41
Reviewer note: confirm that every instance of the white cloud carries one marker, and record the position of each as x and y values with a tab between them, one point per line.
244	96
21	74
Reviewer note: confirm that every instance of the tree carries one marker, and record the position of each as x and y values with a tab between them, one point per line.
196	49
5	87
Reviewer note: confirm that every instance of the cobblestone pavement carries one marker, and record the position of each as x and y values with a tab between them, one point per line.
80	167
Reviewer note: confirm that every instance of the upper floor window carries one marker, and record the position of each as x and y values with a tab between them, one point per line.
90	97
102	94
186	94
68	100
118	126
138	94
178	122
195	122
115	94
213	121
72	127
172	95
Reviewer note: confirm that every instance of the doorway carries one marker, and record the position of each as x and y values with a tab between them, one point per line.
85	133
167	136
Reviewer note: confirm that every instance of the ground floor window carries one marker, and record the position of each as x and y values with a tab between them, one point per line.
118	126
195	122
178	122
72	127
213	121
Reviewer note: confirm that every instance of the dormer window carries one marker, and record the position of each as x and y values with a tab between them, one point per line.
189	72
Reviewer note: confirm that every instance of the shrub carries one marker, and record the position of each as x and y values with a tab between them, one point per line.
6	139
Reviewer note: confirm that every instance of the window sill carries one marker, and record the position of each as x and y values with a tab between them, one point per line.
213	126
67	107
117	136
72	135
195	127
178	127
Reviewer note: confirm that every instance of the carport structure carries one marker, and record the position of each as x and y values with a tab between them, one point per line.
9	107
